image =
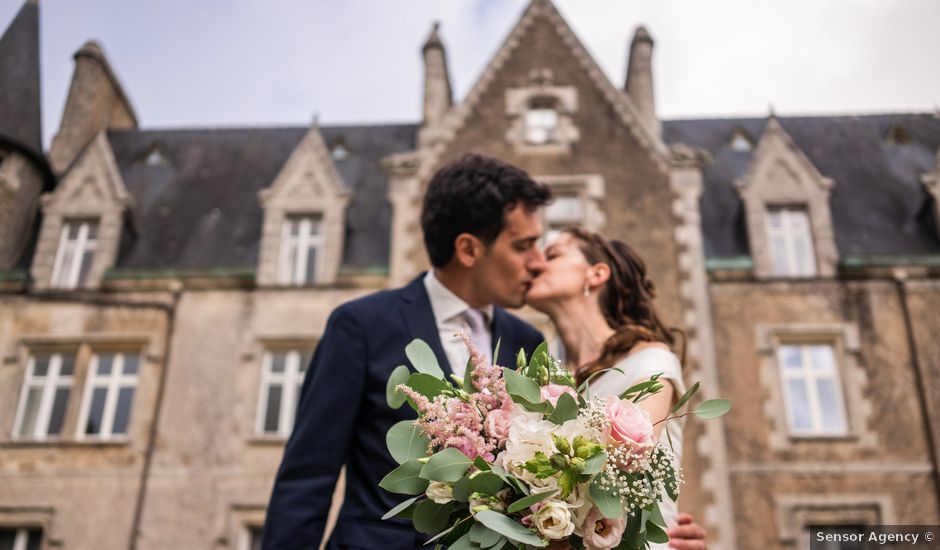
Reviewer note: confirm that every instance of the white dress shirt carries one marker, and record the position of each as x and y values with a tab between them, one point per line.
448	311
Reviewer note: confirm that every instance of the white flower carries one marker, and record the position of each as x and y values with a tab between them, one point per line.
553	519
440	492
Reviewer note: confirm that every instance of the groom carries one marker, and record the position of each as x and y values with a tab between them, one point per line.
482	224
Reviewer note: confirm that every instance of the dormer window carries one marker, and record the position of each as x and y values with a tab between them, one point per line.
791	242
740	141
898	135
77	244
339	151
155	157
541	122
301	250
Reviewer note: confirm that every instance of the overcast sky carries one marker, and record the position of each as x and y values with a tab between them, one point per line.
277	62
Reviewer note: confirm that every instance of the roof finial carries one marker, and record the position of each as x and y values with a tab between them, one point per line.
434	39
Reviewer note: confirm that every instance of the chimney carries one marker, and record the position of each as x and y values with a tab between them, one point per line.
438	96
639	84
96	101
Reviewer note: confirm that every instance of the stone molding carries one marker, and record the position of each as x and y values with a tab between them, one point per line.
794	512
590	189
565	101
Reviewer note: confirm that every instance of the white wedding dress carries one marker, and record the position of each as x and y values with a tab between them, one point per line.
638	367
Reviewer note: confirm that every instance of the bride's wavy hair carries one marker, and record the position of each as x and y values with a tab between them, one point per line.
626	301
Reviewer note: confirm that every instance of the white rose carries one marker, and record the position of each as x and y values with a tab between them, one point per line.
440	492
554	520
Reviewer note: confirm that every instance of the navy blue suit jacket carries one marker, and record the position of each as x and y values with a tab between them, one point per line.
343	418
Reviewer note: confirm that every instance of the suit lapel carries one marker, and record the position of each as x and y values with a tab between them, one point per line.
419	318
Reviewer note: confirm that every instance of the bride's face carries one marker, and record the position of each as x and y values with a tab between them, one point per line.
563	275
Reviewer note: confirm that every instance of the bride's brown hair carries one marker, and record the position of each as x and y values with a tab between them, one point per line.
626	300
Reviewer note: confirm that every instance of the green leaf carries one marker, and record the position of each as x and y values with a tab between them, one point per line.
406	442
538	358
539	407
522	386
565	409
431	518
656	534
468	377
608	504
398	509
445	532
509	528
426	385
511	480
486	482
394	397
520	360
496	350
594	464
462	490
481	464
686	396
422	357
448	465
641	387
483	536
405	479
713	408
463	543
525	502
584	385
567	481
669	439
656	516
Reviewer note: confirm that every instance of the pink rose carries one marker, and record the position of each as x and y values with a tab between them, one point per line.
497	424
552	392
601	532
632	430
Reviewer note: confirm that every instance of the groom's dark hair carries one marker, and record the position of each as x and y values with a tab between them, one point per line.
472	195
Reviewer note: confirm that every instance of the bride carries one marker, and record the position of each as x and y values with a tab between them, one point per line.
597	294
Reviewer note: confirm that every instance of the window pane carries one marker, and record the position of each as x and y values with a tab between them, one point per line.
304	361
104	363
272	414
30	412
68	365
58	411
829	406
254	534
778	256
790	357
565	208
799	405
87	258
294	227
311	275
41	365
131	364
92	230
7	538
822	358
277	361
314	226
774	218
72	229
35	537
122	413
96	411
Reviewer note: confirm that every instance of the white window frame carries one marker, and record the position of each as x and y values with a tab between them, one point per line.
244	541
810	375
296	274
21	538
795	226
290	381
538	130
69	276
50	384
114	383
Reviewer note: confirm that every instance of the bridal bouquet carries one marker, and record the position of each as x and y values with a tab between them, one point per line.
521	458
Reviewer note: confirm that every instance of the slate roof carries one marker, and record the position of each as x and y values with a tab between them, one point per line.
879	205
196	192
20	124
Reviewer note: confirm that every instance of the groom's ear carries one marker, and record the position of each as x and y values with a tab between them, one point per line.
467	249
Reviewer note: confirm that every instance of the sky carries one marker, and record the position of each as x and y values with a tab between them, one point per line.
188	63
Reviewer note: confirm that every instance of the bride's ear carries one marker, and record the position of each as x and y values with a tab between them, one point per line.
598	274
467	249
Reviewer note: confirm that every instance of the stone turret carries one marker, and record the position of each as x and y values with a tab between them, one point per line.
639	84
438	96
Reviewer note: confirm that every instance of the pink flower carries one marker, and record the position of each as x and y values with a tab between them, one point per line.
552	392
497	424
601	532
628	422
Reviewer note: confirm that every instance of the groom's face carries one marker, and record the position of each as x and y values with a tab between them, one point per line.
506	269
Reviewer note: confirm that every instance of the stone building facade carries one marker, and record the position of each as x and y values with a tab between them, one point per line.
161	290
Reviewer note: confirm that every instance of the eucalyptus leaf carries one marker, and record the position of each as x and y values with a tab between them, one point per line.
426	385
686	396
463	543
521	385
713	408
423	359
486	482
406	442
525	502
431	518
481	464
405	479
398	509
483	536
394	397
462	490
565	409
656	534
656	516
448	465
539	407
607	503
640	387
594	464
509	528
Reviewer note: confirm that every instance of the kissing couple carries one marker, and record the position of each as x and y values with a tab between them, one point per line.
482	225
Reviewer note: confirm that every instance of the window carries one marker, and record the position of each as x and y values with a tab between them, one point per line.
251	538
281	379
791	243
75	253
23	538
566	210
852	537
541	120
339	152
812	389
45	395
109	395
740	141
301	250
